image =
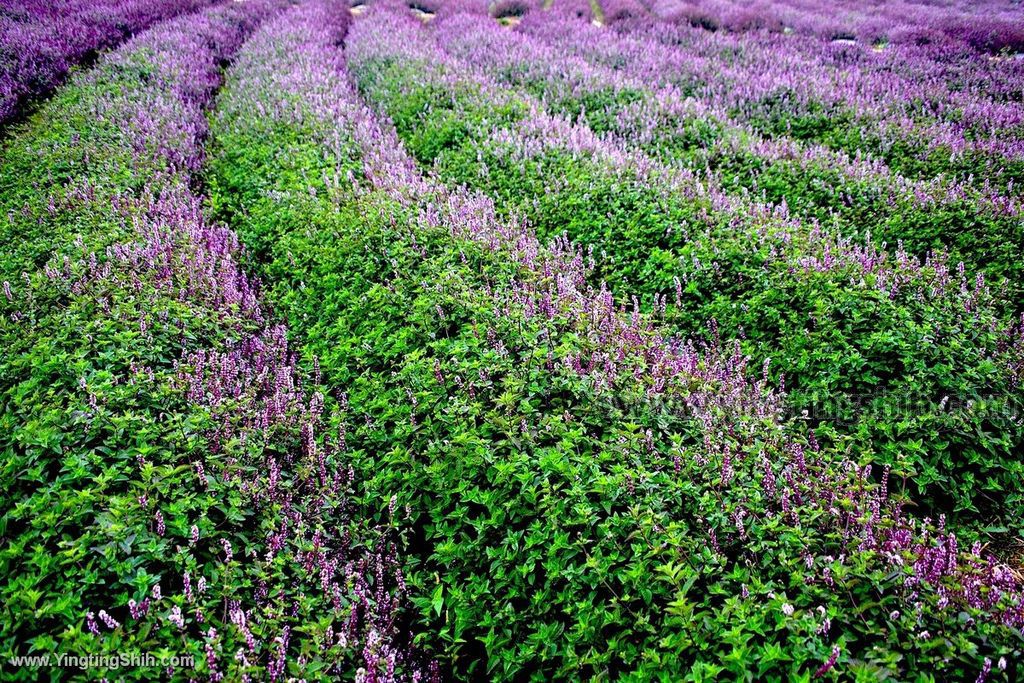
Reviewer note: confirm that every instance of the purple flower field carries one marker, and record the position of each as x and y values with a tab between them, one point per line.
40	41
675	340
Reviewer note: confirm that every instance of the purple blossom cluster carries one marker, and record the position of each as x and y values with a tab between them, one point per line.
441	7
40	40
629	12
988	26
693	83
806	247
804	486
572	9
962	103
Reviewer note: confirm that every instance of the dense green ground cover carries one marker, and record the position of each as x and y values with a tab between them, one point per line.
96	439
574	510
167	485
914	359
373	365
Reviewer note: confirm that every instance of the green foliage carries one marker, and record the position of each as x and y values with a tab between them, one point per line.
93	444
858	205
107	463
912	370
840	129
550	535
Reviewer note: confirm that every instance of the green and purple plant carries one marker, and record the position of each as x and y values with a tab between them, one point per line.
470	340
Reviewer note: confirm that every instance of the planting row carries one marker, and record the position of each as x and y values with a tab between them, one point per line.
912	357
586	495
988	27
854	195
924	116
956	84
172	486
926	112
40	40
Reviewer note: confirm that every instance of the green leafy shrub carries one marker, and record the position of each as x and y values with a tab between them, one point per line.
911	358
168	489
560	529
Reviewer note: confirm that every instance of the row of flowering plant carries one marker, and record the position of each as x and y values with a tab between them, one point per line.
607	82
925	110
988	27
173	484
40	40
866	340
587	494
